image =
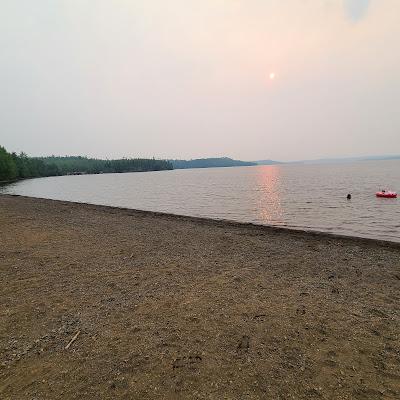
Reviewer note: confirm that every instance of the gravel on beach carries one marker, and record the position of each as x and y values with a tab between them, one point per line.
105	303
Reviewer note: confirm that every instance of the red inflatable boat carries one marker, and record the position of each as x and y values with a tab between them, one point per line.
389	195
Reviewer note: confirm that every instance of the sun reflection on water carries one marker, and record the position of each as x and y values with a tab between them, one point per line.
270	207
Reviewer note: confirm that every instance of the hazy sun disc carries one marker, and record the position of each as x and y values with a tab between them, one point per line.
272	75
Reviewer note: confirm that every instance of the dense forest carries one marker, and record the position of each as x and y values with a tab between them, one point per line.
13	166
84	165
210	163
20	166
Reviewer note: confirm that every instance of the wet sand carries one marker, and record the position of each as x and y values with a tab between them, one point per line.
168	307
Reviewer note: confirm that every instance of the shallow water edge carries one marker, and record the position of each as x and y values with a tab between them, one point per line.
265	229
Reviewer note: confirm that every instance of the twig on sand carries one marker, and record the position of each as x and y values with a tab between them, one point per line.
131	256
72	340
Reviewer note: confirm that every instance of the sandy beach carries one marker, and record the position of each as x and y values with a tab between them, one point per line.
105	303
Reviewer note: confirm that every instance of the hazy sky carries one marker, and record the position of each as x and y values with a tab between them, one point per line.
192	78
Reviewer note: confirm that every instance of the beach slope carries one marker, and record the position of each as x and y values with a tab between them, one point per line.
106	303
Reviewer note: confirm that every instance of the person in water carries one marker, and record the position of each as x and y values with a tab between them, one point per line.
349	196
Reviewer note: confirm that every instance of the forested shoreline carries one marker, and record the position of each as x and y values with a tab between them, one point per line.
83	165
19	166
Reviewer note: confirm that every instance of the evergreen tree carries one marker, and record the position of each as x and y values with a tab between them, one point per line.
8	169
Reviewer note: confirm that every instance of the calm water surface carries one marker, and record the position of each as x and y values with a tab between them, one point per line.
310	197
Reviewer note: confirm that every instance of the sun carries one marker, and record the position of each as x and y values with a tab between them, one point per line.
272	76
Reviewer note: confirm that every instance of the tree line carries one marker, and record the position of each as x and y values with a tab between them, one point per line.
19	166
76	165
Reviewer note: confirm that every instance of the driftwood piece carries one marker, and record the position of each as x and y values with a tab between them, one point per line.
72	340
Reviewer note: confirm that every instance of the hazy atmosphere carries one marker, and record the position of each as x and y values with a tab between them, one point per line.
250	79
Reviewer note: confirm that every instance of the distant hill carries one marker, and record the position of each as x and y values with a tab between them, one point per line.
210	163
268	162
345	160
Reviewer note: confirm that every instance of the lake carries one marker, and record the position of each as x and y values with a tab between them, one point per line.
307	197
